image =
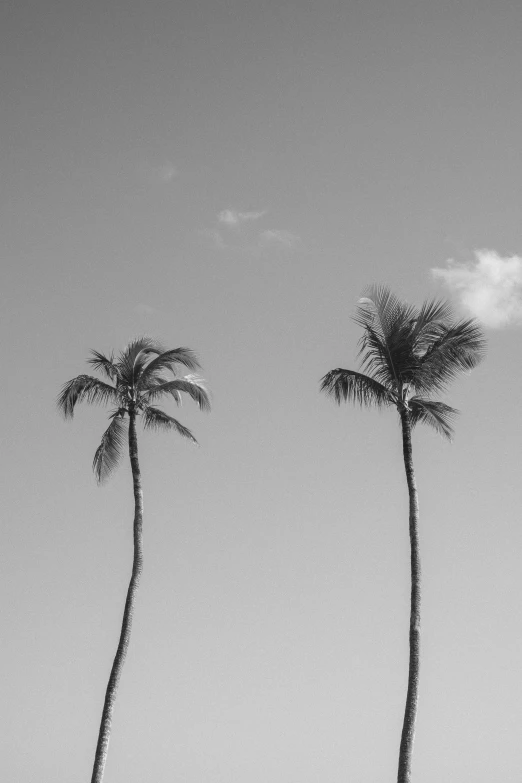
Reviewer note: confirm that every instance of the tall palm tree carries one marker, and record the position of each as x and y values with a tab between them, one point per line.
406	355
141	374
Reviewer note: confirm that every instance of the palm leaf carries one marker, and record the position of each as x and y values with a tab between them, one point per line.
373	300
432	314
156	419
457	348
85	388
134	357
386	350
190	384
167	361
374	356
104	365
382	310
110	449
347	385
436	414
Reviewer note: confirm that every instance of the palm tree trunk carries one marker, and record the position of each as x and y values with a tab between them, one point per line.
137	567
410	713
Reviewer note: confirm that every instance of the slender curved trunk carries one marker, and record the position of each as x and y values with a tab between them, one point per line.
137	567
412	697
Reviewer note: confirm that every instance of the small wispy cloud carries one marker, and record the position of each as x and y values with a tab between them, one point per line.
216	240
279	237
231	233
231	217
489	287
167	172
155	174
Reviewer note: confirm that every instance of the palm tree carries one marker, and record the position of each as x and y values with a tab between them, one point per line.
406	355
141	374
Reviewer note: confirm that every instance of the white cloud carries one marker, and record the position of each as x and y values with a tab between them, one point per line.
232	217
489	287
279	237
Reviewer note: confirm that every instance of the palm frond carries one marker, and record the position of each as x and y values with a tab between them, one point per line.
382	310
458	347
350	386
156	392
104	365
134	357
189	384
168	361
431	315
386	347
156	419
84	388
376	359
436	414
110	449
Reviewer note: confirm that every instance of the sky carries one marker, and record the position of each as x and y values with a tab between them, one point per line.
229	176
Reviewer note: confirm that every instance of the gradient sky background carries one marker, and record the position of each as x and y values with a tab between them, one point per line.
140	140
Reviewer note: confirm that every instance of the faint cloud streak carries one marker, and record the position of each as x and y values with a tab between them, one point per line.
279	237
489	288
167	172
233	218
230	233
158	174
214	237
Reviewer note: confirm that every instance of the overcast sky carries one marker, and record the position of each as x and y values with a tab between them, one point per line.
228	175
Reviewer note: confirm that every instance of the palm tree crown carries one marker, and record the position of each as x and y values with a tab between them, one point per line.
142	373
406	354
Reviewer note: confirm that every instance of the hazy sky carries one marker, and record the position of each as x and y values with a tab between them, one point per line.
228	175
